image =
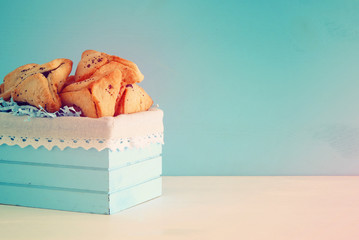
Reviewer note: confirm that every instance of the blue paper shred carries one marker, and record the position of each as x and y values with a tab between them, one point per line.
33	112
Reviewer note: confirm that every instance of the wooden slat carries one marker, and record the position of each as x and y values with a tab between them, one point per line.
135	174
68	157
135	195
53	176
129	156
24	195
79	178
79	156
79	201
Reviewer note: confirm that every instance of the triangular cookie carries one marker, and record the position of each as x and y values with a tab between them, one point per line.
35	91
103	90
92	60
55	73
104	93
17	75
101	72
81	100
133	100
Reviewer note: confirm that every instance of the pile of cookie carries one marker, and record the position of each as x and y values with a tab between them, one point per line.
103	85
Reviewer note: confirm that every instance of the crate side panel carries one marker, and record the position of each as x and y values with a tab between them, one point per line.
131	156
77	201
54	176
135	195
68	156
135	174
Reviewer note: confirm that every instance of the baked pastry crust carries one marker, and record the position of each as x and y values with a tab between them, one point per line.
35	91
105	77
81	99
95	96
38	85
92	60
135	99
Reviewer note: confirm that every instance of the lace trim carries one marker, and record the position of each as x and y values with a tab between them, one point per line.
120	144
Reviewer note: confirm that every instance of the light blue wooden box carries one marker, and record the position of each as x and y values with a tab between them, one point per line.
75	179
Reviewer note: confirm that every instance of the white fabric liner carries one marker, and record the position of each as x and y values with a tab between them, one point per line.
125	131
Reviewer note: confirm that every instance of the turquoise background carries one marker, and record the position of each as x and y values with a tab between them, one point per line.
248	87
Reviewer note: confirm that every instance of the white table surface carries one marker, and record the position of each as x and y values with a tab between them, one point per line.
210	208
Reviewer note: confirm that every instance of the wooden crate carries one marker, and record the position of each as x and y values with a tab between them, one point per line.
84	168
79	180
